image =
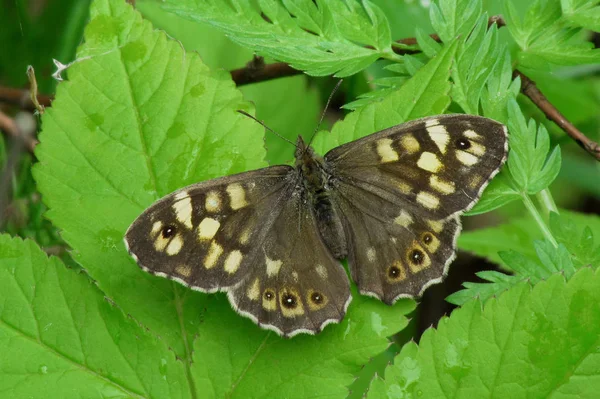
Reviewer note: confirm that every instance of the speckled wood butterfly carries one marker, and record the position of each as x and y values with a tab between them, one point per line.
273	238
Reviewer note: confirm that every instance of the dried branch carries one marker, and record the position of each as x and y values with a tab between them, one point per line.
22	98
529	89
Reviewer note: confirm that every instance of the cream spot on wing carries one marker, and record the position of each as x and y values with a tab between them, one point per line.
295	276
439	135
213	202
174	245
160	243
404	187
441	185
475	181
371	254
233	261
214	252
433	245
237	196
254	290
321	271
183	209
385	151
245	236
184	270
436	225
477	149
429	162
410	144
428	200
208	228
273	266
156	226
471	134
403	219
465	158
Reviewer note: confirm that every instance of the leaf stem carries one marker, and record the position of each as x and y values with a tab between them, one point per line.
538	219
546	202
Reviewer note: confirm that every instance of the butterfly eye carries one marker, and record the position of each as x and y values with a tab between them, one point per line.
289	301
316	298
427	238
417	256
394	272
462	144
168	231
269	295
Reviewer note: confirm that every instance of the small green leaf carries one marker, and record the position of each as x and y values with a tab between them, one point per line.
577	234
528	343
454	18
60	337
497	194
324	39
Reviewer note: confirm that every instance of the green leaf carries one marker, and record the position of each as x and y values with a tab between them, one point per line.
539	27
137	119
578	237
540	342
585	13
259	364
497	194
321	40
518	234
454	18
426	93
475	62
60	338
500	89
527	163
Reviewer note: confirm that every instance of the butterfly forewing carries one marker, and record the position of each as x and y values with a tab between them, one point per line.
203	234
436	165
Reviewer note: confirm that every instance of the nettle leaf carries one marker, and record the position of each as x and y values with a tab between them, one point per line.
475	62
549	260
578	237
540	342
584	13
530	166
60	338
520	232
543	35
321	39
136	119
426	93
453	18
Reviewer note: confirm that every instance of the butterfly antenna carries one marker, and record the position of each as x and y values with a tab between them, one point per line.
337	86
266	127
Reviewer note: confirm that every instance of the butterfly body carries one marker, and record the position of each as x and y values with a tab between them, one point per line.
272	238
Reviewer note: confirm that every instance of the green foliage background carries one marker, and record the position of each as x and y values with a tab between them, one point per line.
147	106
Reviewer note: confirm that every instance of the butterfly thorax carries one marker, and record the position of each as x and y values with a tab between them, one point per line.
316	183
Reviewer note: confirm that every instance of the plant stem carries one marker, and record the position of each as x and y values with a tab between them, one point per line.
538	219
546	202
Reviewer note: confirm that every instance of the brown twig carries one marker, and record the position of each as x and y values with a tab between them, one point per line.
529	88
22	98
10	126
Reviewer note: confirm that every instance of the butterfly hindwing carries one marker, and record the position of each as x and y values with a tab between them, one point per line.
438	166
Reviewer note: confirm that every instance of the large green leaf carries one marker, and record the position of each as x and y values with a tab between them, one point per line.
60	338
528	343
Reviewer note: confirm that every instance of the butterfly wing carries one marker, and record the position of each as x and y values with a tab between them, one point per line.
438	165
399	193
246	234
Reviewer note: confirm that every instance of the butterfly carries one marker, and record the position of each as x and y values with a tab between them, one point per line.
273	238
